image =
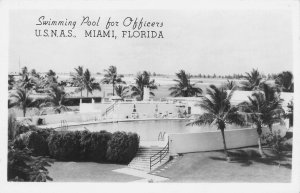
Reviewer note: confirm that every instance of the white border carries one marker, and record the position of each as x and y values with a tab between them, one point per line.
5	6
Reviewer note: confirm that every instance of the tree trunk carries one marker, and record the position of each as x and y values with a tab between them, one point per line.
259	131
81	93
142	94
87	93
260	147
271	129
24	111
224	143
113	88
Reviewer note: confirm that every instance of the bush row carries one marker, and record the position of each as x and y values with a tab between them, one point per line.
103	146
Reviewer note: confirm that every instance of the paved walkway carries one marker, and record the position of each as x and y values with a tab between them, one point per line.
141	174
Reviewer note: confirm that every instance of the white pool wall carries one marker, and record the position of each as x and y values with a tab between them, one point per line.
211	141
124	109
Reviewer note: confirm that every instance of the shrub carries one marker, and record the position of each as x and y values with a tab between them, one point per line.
12	126
38	144
64	146
122	147
102	146
15	128
275	141
22	166
36	140
94	145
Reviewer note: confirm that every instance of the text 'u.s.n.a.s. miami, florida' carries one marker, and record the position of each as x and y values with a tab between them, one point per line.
99	27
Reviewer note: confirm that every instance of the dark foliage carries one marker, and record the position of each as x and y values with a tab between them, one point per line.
22	166
122	147
94	145
65	146
36	140
102	146
184	87
276	142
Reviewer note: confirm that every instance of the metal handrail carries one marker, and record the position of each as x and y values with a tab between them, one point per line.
159	155
108	109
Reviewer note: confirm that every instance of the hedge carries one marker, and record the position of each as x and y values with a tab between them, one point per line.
122	147
36	140
65	146
102	146
94	145
119	147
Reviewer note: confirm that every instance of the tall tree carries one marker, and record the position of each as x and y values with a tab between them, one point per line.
26	82
11	82
111	77
33	73
290	113
89	83
56	98
78	79
253	80
229	85
24	71
218	111
121	91
285	81
263	108
142	80
21	98
183	86
51	73
50	78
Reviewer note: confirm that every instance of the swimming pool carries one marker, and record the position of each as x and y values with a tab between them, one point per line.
148	130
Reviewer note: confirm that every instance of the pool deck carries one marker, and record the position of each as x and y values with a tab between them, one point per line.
58	125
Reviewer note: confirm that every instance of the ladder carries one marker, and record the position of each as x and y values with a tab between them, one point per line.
64	125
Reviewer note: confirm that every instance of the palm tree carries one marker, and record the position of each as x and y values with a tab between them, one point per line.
219	111
290	114
21	98
24	71
51	73
56	99
254	79
263	109
229	85
78	79
26	82
34	73
142	80
39	84
11	82
285	81
51	78
122	91
111	77
184	88
89	82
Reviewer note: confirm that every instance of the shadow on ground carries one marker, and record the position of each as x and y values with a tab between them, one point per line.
247	157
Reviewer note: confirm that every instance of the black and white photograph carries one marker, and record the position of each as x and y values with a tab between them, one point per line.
198	94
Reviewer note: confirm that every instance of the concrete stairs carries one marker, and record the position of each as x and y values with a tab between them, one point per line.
142	159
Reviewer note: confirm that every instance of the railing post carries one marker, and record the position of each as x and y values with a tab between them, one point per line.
160	157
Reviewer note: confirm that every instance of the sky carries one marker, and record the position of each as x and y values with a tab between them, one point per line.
198	41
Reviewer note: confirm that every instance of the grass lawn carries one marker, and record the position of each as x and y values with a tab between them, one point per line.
87	172
246	166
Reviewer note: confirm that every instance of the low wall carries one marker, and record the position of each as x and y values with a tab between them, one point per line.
69	117
210	141
124	109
